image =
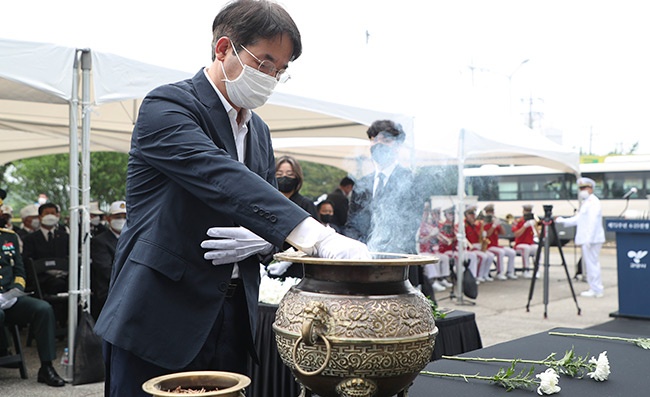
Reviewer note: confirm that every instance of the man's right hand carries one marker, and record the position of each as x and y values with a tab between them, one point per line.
337	246
314	239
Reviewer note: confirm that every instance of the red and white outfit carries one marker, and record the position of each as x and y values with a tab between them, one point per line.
525	243
493	231
448	244
473	233
429	245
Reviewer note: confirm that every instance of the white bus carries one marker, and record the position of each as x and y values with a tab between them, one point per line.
622	184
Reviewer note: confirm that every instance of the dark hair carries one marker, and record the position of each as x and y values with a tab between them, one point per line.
346	181
387	127
295	166
246	21
323	203
43	207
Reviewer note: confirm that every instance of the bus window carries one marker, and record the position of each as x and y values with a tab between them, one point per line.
619	183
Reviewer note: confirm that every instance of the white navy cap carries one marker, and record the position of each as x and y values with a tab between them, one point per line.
586	182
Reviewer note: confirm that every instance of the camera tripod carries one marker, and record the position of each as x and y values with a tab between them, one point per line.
545	242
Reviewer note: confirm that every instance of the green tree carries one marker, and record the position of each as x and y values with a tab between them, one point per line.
50	174
319	179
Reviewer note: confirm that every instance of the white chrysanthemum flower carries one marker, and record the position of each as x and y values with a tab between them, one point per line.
548	382
273	290
601	373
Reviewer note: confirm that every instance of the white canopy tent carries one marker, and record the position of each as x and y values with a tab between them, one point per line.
45	89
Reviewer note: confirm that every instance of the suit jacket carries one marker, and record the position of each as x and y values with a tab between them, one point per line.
341	206
35	246
102	254
390	222
183	177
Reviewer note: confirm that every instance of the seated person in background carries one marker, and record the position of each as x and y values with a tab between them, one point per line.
96	225
448	243
474	234
429	244
31	221
525	231
49	241
493	229
102	253
6	215
340	199
326	214
26	310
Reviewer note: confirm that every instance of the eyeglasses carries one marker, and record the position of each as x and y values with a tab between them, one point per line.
384	137
268	67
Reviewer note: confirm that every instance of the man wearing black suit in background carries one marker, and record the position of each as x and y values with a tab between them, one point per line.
50	240
387	205
340	198
102	254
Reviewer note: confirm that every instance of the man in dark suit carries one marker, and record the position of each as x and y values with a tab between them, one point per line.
102	254
386	206
199	158
340	198
49	241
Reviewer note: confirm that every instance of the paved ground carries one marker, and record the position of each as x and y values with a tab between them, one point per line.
500	314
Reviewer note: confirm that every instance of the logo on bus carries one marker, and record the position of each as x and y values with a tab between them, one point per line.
636	257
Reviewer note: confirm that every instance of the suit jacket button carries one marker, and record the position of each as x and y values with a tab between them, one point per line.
223	287
256	208
273	218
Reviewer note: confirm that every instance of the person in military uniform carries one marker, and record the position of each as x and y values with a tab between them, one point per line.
24	310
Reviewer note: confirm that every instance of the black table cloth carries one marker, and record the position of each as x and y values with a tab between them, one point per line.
628	363
457	333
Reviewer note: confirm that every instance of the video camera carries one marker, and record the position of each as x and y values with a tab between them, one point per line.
548	212
528	216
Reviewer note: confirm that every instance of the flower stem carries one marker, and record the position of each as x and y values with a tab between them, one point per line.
464	376
496	360
593	336
640	342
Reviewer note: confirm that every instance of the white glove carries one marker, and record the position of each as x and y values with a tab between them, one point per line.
278	268
530	223
560	219
7	303
332	245
314	239
233	244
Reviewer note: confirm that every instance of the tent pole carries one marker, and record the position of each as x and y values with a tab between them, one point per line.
460	241
73	243
84	284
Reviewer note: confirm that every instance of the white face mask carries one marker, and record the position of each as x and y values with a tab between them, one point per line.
251	89
35	224
117	224
94	221
50	220
583	195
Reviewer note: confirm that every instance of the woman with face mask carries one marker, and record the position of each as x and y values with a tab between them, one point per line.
288	173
